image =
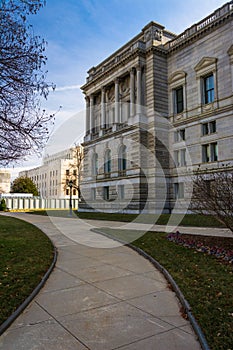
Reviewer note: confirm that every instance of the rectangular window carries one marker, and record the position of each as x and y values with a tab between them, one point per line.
179	100
179	190
182	134
210	152
209	128
180	157
67	172
208	89
179	135
106	193
93	194
214	151
176	158
183	157
121	192
212	126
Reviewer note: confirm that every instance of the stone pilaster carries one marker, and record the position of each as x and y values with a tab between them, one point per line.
139	88
91	113
103	111
117	100
132	92
87	115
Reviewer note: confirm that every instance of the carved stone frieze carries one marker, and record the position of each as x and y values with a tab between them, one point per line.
153	33
125	86
110	93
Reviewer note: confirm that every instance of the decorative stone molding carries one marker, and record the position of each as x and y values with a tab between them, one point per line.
230	53
206	65
177	77
153	31
111	93
124	86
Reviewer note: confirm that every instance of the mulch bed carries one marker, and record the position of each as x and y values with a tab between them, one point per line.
221	247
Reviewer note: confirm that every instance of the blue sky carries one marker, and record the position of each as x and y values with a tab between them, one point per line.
82	33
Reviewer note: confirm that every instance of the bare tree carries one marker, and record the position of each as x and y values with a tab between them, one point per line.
23	125
213	195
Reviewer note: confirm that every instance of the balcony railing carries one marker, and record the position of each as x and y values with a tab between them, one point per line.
221	12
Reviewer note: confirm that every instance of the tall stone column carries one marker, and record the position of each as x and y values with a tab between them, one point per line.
117	102
103	112
139	88
132	92
91	113
87	115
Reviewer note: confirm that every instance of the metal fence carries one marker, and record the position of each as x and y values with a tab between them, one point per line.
32	203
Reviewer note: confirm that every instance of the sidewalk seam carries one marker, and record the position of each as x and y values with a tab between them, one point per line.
176	289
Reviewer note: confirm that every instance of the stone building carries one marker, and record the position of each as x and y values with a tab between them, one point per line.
5	181
52	177
156	109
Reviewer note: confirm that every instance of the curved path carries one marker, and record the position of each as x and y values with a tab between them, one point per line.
99	297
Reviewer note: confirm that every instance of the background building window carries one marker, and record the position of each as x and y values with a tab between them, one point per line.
179	100
209	89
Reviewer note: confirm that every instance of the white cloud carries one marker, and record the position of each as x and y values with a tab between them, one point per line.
68	87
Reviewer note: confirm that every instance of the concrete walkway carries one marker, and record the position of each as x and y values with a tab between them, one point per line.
100	296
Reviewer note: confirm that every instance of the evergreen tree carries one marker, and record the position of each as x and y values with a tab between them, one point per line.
24	184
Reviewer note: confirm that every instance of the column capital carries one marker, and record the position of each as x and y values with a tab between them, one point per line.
138	67
117	80
131	70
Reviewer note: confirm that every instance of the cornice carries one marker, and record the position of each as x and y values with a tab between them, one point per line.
201	29
108	72
119	132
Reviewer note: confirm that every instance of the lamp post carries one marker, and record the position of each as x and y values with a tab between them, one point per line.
70	184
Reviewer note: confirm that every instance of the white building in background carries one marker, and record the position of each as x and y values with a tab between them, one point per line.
5	181
53	176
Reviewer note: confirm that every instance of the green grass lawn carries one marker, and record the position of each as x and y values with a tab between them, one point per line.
187	220
206	283
26	254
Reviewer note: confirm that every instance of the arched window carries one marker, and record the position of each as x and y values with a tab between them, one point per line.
122	161
107	162
95	165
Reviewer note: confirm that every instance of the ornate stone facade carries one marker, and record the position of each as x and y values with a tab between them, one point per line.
156	109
